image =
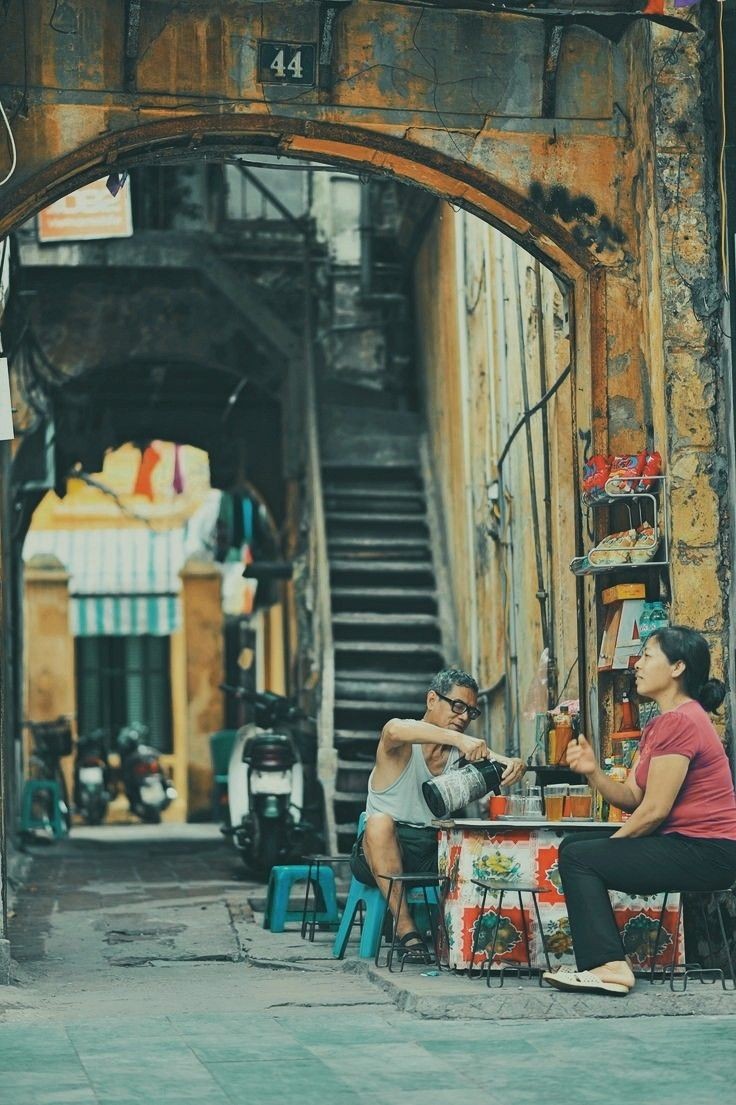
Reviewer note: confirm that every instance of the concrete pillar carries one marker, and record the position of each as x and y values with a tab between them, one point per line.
49	661
205	669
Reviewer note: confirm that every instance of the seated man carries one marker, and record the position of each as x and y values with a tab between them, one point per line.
398	835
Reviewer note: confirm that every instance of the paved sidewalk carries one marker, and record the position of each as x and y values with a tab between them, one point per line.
143	978
447	995
363	1057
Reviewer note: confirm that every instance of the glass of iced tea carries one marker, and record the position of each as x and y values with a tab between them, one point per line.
579	802
554	800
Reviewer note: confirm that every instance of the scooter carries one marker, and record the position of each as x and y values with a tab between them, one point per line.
266	782
91	777
147	788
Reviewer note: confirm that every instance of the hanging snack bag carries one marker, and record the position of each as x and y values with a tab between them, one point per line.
625	473
652	466
596	471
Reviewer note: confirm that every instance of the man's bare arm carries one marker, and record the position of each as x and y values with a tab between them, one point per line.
403	731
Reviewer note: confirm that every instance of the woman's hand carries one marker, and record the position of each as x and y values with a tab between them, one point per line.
581	757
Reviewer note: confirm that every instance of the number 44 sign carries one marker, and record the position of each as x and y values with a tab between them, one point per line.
286	62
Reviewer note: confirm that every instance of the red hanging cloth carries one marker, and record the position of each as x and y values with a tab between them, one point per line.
149	460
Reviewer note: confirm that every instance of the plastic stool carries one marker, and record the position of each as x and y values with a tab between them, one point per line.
681	973
502	888
372	905
54	821
280	882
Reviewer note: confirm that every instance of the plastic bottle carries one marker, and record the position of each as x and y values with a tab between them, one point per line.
627	713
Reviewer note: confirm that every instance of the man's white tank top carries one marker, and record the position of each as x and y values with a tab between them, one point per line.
403	800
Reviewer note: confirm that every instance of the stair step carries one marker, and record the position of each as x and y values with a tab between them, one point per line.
348	797
372	492
388	646
396	708
363	519
418	669
363	767
413	694
395	478
375	541
410	600
398	567
375	500
411	630
356	736
367	618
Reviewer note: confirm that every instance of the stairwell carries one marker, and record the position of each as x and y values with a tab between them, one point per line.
385	618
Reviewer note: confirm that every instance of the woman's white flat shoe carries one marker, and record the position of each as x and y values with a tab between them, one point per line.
584	982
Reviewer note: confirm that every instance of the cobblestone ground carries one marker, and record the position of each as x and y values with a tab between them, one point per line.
143	977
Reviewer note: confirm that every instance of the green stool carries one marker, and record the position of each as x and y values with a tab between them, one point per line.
51	820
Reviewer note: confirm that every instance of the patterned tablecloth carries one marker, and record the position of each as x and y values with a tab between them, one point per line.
528	856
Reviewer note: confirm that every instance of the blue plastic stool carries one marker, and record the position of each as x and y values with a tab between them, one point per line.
54	821
374	913
374	916
280	882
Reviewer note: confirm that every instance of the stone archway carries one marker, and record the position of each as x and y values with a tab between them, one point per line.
580	158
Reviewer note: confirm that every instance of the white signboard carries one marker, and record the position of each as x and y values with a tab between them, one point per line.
6	414
90	212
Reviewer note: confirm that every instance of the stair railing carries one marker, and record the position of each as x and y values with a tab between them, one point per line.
319	581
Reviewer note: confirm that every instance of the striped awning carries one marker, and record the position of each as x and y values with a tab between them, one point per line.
123	582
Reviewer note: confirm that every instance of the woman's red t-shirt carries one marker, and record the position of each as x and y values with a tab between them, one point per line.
706	803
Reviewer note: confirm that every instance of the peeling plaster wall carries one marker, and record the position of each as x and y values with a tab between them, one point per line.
491	558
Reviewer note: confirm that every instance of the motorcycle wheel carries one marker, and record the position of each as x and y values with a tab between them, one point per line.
151	817
95	815
272	850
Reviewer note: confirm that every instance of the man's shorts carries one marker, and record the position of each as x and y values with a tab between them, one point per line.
418	852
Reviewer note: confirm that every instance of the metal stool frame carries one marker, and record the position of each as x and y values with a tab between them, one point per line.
315	862
501	889
689	971
421	881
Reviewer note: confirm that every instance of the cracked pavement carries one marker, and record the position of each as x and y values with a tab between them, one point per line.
142	975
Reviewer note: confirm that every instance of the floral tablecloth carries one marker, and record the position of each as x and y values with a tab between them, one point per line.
528	857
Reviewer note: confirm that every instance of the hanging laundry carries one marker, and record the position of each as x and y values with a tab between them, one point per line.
247	520
238	527
149	460
177	484
224	527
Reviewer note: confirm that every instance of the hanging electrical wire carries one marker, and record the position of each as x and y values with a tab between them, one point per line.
11	143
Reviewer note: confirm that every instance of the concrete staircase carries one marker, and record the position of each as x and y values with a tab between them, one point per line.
386	629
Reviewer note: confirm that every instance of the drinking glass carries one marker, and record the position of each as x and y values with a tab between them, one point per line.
579	802
554	800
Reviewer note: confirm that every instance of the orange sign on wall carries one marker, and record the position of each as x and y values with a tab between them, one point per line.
90	212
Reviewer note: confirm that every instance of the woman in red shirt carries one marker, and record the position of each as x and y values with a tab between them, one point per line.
681	834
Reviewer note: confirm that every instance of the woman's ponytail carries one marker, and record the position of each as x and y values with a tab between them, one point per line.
711	695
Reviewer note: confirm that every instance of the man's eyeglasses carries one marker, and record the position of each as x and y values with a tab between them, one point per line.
459	707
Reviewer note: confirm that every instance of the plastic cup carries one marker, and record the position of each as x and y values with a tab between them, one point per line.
554	800
497	804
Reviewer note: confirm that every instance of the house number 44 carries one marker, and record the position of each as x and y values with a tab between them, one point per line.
286	63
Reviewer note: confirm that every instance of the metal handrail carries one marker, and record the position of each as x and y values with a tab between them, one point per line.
319	577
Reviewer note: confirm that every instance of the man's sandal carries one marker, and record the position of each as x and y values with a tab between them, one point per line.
413	949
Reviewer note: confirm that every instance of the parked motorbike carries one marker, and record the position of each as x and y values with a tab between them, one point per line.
92	777
266	781
147	788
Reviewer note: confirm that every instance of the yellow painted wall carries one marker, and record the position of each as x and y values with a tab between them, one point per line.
468	275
